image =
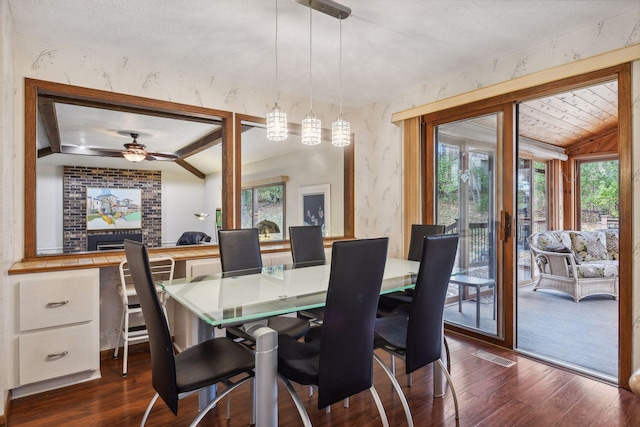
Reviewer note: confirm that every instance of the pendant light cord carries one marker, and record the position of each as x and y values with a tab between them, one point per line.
276	49
340	66
310	59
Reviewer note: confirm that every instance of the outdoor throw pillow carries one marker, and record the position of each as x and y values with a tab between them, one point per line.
588	246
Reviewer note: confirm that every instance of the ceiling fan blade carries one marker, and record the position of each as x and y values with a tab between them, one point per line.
161	156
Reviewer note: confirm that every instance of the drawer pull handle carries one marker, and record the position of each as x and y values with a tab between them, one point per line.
57	303
57	355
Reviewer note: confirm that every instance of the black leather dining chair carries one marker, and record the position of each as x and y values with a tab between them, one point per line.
306	244
175	376
389	302
240	254
415	332
339	360
307	248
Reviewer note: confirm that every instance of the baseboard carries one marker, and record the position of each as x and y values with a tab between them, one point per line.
108	353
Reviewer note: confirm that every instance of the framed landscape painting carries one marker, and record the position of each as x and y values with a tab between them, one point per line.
114	208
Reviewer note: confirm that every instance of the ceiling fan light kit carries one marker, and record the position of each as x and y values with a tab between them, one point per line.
134	152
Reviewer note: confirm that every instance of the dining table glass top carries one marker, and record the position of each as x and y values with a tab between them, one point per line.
245	296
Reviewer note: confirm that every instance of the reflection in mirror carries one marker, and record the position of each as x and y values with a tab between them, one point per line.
90	197
287	183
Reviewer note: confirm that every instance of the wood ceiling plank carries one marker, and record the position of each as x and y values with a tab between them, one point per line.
49	120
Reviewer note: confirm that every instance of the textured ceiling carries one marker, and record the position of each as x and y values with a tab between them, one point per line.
389	47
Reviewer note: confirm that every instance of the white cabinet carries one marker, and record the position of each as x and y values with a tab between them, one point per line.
57	330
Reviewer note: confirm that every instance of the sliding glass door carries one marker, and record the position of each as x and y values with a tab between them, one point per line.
466	202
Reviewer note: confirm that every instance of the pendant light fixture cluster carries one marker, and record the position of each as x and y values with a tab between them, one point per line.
311	125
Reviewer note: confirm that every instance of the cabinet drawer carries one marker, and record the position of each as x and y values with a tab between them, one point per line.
56	302
53	353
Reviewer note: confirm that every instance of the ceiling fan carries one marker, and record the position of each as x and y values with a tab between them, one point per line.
136	152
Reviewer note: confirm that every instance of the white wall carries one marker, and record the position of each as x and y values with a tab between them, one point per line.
49	217
182	196
8	182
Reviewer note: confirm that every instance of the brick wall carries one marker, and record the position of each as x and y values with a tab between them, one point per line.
76	179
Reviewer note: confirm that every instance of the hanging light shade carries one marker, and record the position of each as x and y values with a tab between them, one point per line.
340	129
311	130
311	125
340	132
276	124
276	118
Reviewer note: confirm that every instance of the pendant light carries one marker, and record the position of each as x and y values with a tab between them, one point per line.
340	129
276	118
311	126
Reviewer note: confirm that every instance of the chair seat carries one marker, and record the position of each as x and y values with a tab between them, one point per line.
289	325
392	330
298	361
196	368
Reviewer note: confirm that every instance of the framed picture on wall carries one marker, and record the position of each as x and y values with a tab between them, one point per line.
114	208
315	206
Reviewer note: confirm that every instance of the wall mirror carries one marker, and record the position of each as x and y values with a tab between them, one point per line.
286	183
81	192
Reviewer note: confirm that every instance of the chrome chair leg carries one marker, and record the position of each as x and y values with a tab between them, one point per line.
148	410
453	390
396	385
297	401
228	389
376	398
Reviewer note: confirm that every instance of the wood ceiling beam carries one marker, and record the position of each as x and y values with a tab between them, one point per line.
190	168
49	120
209	140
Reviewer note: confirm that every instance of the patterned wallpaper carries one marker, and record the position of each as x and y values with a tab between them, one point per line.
378	153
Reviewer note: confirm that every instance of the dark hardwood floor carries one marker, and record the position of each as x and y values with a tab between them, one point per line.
526	394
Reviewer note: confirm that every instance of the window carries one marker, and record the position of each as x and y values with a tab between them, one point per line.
598	204
263	207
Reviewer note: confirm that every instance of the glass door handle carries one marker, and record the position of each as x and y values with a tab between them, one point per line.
505	225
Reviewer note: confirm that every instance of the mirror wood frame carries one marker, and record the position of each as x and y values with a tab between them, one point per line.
119	102
295	129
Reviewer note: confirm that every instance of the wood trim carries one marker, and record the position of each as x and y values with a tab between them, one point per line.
349	206
574	69
111	100
428	162
625	150
412	206
509	282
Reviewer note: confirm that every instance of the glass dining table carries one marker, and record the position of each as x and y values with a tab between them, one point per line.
250	297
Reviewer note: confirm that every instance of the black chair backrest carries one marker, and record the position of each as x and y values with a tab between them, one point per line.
418	233
346	349
193	238
424	332
239	249
163	368
306	243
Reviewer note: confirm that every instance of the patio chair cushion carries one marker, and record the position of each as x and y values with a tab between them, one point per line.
599	269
